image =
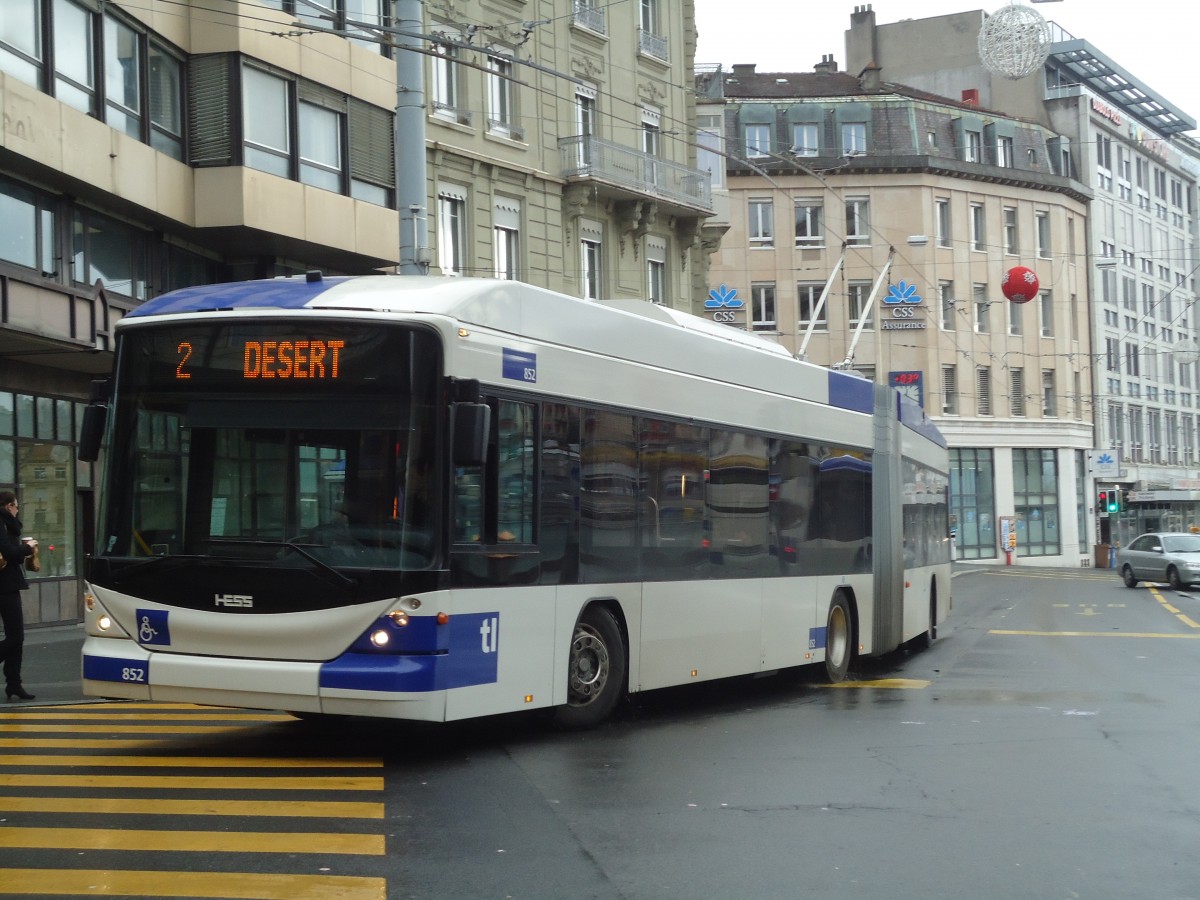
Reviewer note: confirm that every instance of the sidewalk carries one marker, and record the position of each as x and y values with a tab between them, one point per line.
51	665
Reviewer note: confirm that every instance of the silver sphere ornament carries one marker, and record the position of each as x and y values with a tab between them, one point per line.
1014	41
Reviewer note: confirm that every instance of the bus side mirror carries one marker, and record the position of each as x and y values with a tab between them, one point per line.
91	430
471	424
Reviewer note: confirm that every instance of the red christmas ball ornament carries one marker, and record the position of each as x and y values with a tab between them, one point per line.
1020	284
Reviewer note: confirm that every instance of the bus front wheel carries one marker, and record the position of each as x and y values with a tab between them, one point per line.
595	670
839	639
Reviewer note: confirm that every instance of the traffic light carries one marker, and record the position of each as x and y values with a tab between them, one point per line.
1108	502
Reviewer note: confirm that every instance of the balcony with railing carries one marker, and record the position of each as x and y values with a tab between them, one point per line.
627	173
590	17
653	45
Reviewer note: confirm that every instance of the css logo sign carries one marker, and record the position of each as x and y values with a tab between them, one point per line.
723	301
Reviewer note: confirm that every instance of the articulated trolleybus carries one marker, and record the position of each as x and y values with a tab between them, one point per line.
438	498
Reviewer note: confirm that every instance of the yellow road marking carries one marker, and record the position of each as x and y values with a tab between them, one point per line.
300	809
239	885
196	762
1138	634
189	783
1171	609
125	729
894	683
46	743
191	841
111	714
145	704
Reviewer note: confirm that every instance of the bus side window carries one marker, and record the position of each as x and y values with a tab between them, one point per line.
516	452
495	504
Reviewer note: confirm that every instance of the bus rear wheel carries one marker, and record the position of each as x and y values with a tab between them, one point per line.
595	670
839	639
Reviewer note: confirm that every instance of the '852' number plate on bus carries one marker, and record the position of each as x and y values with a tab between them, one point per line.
108	668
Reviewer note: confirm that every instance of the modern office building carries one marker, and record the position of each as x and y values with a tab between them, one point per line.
1129	146
152	145
871	226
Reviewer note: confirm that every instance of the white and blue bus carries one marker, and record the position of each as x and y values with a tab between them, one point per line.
438	498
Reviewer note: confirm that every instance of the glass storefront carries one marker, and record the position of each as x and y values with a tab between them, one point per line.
37	461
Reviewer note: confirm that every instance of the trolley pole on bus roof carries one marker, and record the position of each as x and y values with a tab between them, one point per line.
411	186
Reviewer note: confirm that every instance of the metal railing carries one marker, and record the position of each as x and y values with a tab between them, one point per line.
582	155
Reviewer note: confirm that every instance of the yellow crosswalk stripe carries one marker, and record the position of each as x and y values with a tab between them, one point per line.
119	716
187	762
194	841
225	885
189	783
290	809
125	729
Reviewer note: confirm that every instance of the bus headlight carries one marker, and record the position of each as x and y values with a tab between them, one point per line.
104	623
380	638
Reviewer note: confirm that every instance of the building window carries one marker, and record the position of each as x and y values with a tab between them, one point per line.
452	230
656	270
807	298
857	296
28	237
946	304
942	221
1049	400
809	230
854	138
108	251
978	228
974	146
265	122
1042	223
762	305
591	260
501	100
973	502
1011	245
1014	318
1016	392
1004	153
74	61
447	84
758	140
805	140
950	390
506	238
652	144
982	305
321	146
1035	497
1046	306
122	84
709	150
761	223
858	221
983	390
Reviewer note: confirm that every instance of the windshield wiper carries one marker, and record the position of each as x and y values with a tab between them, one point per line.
345	580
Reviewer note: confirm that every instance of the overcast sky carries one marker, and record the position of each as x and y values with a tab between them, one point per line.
1153	40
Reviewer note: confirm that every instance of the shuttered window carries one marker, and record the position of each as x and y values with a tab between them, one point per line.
983	390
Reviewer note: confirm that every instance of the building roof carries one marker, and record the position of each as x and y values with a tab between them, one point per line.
744	83
1118	88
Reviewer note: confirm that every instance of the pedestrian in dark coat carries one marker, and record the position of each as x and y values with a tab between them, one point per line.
12	582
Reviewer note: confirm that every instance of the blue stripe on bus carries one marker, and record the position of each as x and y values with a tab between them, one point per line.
851	392
470	656
291	293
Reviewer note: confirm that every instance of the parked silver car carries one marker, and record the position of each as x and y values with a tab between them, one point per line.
1173	557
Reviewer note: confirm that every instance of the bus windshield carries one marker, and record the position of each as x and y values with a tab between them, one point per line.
275	440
